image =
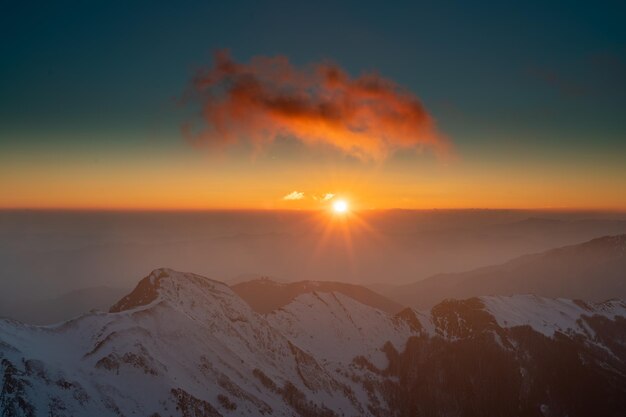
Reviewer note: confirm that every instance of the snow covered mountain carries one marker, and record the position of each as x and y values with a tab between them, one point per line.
183	345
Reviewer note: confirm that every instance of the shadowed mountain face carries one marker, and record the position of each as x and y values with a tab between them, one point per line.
595	270
265	296
184	345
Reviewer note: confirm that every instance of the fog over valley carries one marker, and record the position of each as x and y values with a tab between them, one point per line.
89	259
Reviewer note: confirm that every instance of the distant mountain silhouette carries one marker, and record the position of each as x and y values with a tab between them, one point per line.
595	270
265	295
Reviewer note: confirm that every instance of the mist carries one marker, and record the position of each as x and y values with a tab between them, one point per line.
46	254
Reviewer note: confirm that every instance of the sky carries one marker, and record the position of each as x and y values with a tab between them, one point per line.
279	105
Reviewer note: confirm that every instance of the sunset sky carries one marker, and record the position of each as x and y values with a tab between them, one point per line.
261	105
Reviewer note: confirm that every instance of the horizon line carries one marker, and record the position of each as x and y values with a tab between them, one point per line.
304	210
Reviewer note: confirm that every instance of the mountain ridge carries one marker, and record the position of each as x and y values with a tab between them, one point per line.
182	344
592	270
265	295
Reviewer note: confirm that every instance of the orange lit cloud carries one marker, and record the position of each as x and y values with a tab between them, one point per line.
294	195
325	197
367	117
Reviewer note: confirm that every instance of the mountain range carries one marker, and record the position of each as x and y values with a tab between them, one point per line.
181	344
594	270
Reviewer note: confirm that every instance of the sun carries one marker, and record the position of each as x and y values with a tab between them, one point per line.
340	206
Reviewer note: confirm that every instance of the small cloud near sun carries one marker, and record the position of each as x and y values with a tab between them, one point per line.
294	195
325	197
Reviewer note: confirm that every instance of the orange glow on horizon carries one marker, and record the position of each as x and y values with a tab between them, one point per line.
163	182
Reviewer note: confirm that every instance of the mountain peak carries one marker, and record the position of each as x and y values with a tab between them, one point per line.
159	282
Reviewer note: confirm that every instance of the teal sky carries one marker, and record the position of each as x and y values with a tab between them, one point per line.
510	83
